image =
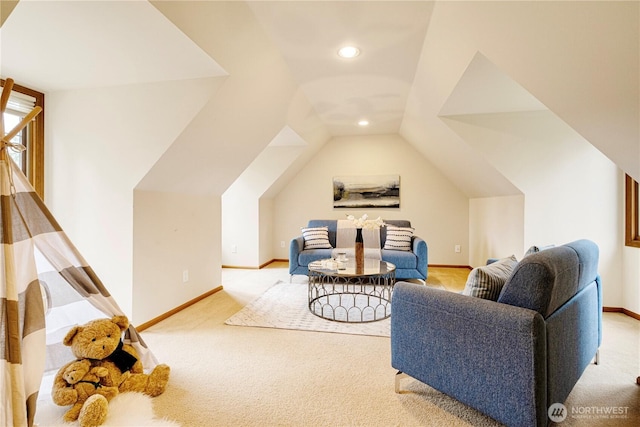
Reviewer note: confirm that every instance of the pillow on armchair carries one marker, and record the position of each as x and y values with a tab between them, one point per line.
487	281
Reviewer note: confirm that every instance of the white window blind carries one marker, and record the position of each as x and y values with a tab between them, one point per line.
18	106
20	103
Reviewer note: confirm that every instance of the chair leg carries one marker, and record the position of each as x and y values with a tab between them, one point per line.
597	361
399	375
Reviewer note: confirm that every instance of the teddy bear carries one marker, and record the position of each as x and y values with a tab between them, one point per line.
116	365
86	381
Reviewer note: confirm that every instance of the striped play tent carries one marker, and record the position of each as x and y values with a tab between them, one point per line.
46	287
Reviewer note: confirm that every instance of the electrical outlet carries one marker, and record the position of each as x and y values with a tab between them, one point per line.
457	249
185	276
282	243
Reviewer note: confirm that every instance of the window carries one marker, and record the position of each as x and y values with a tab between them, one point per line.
632	236
21	102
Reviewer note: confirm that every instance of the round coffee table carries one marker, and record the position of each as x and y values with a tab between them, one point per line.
350	295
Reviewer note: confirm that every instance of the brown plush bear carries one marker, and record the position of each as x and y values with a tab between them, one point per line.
86	382
99	342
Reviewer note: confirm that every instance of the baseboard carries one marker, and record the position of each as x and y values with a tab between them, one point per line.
258	267
621	310
468	267
170	313
243	267
272	261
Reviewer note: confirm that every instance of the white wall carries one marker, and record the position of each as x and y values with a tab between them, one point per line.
188	137
630	284
246	224
173	233
555	51
571	190
240	225
496	228
267	241
100	143
630	298
438	211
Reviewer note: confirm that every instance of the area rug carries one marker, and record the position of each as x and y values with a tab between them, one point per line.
285	306
125	410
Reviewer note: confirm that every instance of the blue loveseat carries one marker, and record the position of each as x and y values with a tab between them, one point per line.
409	264
512	358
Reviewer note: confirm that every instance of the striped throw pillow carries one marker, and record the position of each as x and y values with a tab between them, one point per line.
316	238
487	281
398	238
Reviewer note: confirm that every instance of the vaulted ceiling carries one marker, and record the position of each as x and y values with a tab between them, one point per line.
420	64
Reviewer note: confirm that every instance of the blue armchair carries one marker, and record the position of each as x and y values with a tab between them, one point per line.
509	359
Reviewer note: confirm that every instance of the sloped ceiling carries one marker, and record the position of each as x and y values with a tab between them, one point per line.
375	85
63	45
497	57
485	89
257	100
420	61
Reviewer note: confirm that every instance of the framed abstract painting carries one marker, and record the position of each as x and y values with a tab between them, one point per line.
373	191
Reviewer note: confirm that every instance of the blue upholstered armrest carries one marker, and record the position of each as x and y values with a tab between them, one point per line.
295	247
419	248
480	352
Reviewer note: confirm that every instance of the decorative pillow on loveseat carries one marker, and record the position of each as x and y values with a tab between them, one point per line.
487	281
316	238
398	238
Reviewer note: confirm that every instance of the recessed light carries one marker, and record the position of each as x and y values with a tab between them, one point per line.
349	52
363	123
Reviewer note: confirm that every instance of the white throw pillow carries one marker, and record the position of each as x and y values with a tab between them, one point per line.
316	238
398	238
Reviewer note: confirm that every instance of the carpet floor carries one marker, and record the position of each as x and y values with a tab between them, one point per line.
230	376
246	376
